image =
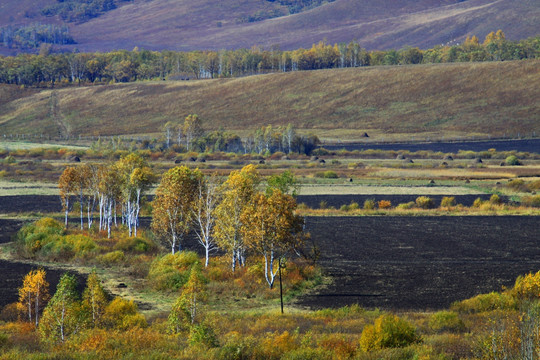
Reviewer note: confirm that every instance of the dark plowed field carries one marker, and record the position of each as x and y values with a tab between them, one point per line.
51	203
13	274
314	201
421	262
531	145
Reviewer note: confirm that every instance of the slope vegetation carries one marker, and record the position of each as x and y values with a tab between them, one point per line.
207	24
482	98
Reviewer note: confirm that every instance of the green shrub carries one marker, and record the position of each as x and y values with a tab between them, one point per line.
123	315
323	205
172	271
345	208
448	201
354	205
486	302
306	353
329	174
512	160
388	331
134	244
406	206
203	334
425	202
112	258
446	321
369	204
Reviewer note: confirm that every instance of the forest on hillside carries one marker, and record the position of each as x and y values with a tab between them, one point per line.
48	69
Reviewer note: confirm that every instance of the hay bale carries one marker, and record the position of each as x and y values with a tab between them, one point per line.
314	158
477	160
502	164
444	163
467	181
350	180
192	159
400	157
261	161
321	161
448	157
201	160
285	157
74	159
177	161
432	181
365	135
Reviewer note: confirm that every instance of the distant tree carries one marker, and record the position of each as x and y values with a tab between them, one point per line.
67	185
94	299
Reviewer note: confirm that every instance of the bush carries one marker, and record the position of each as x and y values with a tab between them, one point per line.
388	331
495	199
172	271
527	287
512	160
425	202
111	258
446	321
329	174
134	245
34	236
369	204
486	302
478	203
123	315
448	201
532	201
406	206
384	204
203	334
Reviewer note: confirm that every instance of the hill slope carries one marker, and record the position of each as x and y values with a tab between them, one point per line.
459	99
376	24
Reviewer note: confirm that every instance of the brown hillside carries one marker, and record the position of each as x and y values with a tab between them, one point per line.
481	98
376	24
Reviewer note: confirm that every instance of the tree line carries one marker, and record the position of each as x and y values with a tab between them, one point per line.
126	66
238	215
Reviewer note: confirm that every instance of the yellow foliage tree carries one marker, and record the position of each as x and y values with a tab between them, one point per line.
34	294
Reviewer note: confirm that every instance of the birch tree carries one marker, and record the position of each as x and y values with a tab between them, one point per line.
175	195
272	229
204	213
67	186
237	192
63	315
34	294
94	298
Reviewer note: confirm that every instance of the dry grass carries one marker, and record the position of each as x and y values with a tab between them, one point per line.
385	190
482	98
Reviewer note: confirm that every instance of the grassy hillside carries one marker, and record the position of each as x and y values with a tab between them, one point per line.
422	100
206	24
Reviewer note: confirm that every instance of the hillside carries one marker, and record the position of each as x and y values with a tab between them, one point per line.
451	99
205	24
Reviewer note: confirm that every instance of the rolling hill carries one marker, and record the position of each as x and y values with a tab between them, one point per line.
452	99
206	24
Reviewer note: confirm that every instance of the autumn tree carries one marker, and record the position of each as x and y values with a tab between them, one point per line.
67	186
192	129
173	203
109	192
272	229
34	294
94	298
63	315
238	191
186	311
135	178
204	213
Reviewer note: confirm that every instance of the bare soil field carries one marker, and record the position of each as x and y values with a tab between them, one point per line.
394	262
527	145
420	262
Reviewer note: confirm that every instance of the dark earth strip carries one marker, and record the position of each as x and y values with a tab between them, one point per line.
396	262
529	145
51	203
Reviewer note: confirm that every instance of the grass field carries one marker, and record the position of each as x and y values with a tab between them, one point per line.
397	102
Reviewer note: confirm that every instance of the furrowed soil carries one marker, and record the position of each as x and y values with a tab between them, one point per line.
420	263
395	262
